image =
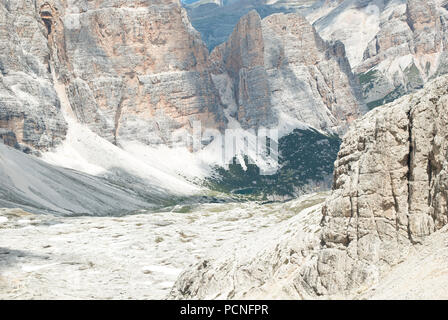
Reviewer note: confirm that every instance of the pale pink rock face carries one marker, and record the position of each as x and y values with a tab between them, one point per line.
133	70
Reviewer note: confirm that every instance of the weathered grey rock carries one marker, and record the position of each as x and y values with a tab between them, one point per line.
137	70
422	276
280	71
241	61
263	266
30	117
389	188
394	46
353	22
390	194
409	49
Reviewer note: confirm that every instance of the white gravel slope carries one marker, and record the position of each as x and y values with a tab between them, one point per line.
423	275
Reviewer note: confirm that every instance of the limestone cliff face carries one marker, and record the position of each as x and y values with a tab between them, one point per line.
240	65
394	47
390	194
133	70
30	117
280	71
389	188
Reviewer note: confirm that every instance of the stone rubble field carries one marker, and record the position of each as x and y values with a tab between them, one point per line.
130	257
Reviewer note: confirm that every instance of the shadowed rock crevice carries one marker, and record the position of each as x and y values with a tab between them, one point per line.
46	14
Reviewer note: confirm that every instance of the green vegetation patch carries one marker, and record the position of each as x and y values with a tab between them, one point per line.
306	159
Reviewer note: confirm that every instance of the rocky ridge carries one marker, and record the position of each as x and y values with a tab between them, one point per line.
215	20
132	70
394	46
390	188
409	49
278	72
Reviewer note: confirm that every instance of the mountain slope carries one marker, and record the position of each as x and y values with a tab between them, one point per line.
43	188
422	276
305	165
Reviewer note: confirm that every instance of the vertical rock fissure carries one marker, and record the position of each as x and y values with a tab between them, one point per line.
117	119
409	177
46	14
352	215
396	206
49	17
429	171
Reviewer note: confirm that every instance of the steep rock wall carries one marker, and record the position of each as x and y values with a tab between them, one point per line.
133	70
30	116
389	188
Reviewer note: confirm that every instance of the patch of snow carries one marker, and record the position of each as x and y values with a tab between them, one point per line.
24	221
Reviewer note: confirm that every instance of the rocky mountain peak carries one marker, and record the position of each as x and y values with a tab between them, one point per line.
132	70
265	59
139	71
